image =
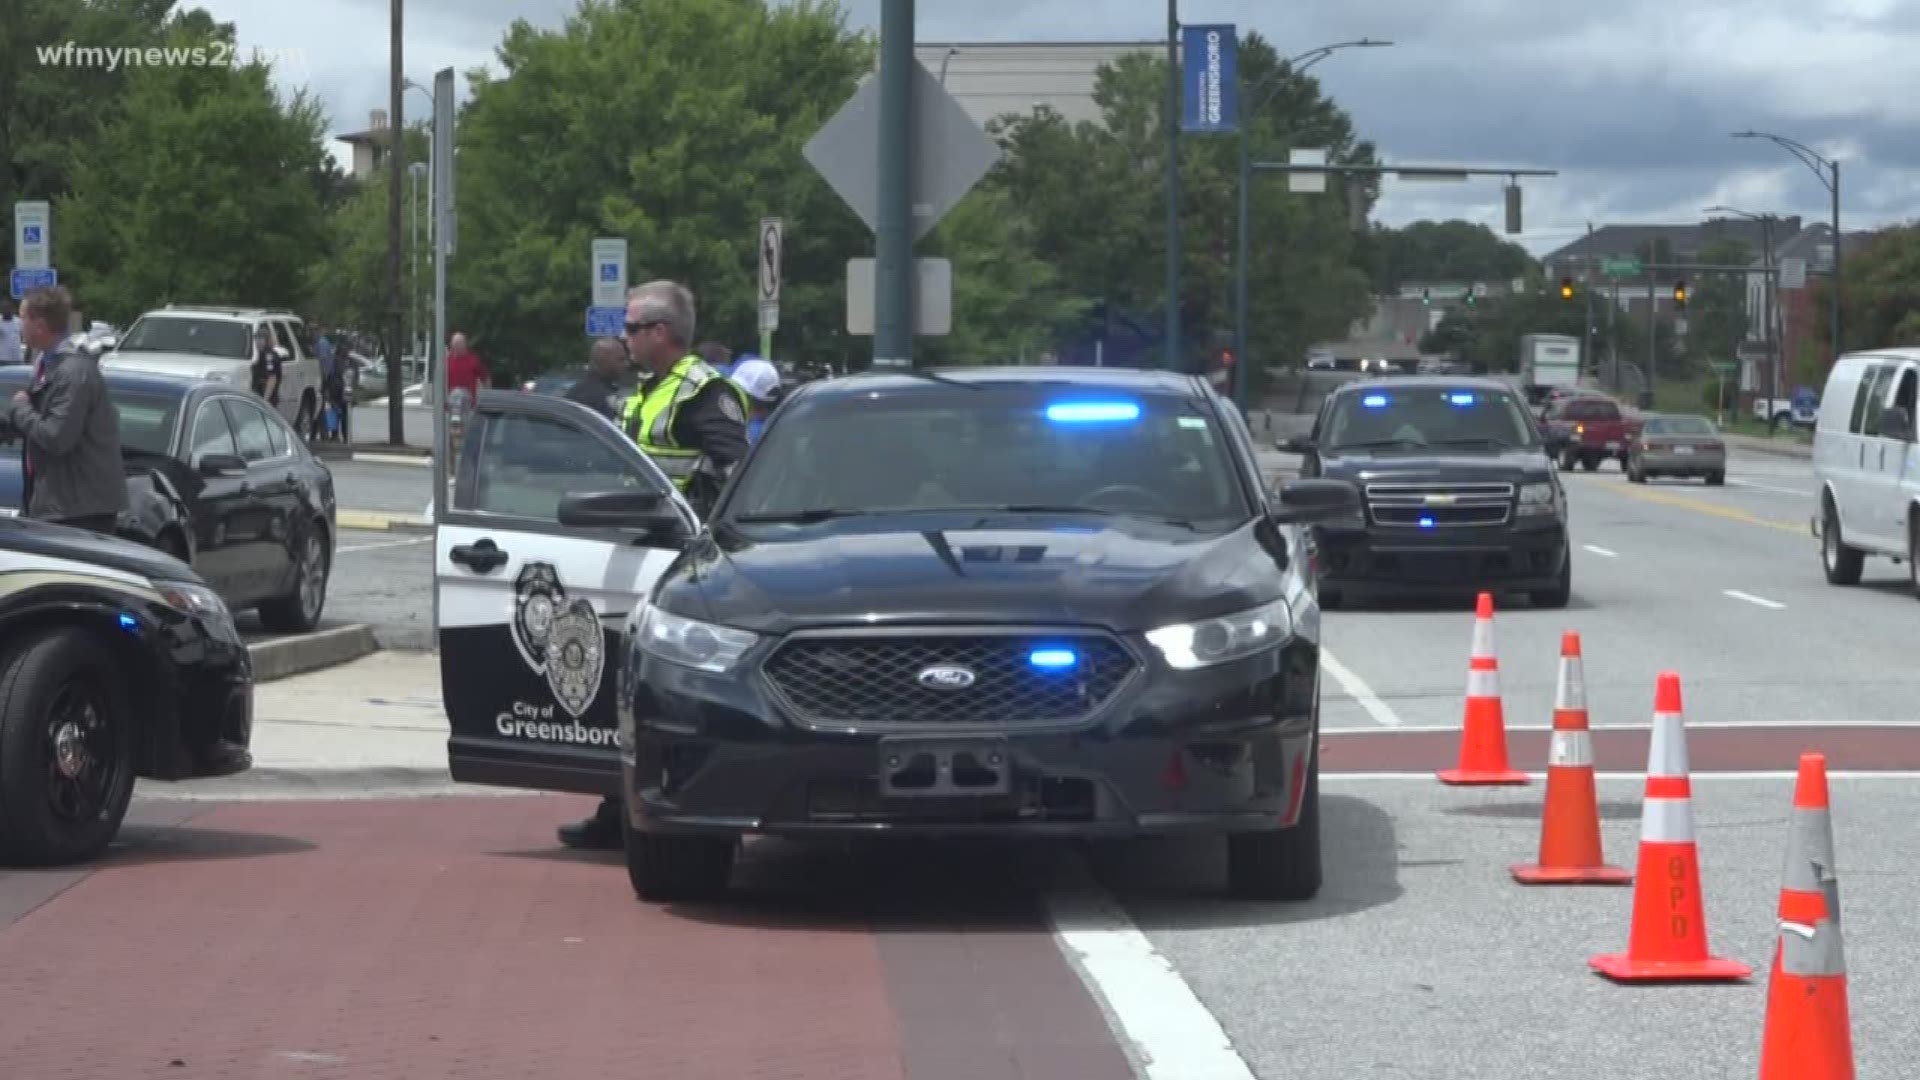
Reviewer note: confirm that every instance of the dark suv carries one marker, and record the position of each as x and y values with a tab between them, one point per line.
1027	601
1458	491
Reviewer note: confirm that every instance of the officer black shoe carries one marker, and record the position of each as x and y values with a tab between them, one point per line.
600	831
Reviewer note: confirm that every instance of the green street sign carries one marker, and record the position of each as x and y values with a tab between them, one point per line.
1724	367
1621	267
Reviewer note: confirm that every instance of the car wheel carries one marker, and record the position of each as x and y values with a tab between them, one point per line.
1281	864
1635	474
1590	462
299	611
1842	563
1913	551
66	749
1716	479
665	868
1561	593
1566	461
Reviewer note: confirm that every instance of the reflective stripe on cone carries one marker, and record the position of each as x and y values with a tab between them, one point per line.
1483	738
1570	849
1809	1035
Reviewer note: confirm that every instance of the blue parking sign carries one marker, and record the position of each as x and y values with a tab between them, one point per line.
30	233
25	281
606	321
609	271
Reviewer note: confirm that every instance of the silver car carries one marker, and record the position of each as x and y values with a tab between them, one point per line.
1677	446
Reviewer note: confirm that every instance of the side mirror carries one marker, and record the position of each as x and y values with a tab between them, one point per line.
629	509
1897	423
218	465
1298	444
1307	502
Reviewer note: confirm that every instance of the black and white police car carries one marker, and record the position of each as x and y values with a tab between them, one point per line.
116	661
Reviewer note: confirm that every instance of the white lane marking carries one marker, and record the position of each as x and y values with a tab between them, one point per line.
1768	487
1172	1032
382	544
1691	725
1762	601
1601	551
1358	690
1425	776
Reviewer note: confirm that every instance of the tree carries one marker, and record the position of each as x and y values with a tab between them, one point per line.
1009	304
1717	306
1461	251
676	126
202	189
1882	298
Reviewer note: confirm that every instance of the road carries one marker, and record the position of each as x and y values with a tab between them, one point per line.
450	936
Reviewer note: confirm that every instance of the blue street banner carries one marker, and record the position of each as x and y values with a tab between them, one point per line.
1210	74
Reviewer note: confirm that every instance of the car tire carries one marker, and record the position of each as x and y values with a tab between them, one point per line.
1561	594
664	868
1636	475
1843	564
1716	479
1590	462
1281	864
1913	551
66	748
1567	460
299	611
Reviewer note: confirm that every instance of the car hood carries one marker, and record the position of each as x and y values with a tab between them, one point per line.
78	545
192	365
1122	575
1451	466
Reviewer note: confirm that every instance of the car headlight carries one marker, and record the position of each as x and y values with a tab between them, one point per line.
202	603
693	643
1187	646
1539	499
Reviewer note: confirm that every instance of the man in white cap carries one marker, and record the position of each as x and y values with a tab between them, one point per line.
761	381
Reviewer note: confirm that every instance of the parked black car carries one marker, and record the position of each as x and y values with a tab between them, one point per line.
1022	601
118	662
218	479
1459	493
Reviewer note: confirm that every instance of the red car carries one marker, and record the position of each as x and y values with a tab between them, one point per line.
1588	429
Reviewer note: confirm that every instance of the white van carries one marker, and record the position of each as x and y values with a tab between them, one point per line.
1866	463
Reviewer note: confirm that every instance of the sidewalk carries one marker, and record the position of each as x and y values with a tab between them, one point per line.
1784	446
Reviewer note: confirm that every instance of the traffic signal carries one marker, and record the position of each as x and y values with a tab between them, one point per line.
1680	295
1566	288
1472	298
1426	296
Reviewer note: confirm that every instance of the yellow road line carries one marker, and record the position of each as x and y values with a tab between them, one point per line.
1667	498
378	521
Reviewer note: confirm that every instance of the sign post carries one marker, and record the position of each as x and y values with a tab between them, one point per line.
772	236
1210	73
607	314
32	248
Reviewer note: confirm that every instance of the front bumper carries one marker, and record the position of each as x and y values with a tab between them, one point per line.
1528	554
1217	751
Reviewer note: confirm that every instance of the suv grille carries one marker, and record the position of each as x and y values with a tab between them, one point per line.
1414	505
867	680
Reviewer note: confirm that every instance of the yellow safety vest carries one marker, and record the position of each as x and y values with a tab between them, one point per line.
649	416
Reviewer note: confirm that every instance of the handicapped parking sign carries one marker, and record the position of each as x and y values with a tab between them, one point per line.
30	234
609	271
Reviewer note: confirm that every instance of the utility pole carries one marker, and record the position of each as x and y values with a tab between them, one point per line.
893	271
1173	186
1835	296
1772	295
1653	343
1587	359
396	160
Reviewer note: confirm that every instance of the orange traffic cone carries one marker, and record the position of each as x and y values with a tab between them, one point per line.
1668	941
1483	743
1570	830
1808	1035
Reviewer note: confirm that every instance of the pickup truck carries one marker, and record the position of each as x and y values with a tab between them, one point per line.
1801	411
1586	430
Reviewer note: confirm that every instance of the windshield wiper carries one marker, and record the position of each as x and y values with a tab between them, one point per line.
1501	443
1377	444
1070	508
799	517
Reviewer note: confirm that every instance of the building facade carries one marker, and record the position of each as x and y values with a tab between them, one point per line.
993	79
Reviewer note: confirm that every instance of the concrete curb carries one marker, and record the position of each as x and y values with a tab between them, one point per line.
423	461
292	783
301	653
1775	447
381	521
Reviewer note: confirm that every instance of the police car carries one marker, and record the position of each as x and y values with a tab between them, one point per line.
116	661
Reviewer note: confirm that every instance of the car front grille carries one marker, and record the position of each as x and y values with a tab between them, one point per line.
1439	506
867	680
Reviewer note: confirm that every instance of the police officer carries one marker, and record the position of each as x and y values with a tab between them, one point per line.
692	421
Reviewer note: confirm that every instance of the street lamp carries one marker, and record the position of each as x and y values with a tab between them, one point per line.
1830	178
415	172
1258	97
1767	304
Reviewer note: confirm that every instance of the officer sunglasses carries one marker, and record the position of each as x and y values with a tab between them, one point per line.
642	327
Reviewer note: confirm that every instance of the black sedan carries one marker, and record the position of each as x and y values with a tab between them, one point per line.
119	662
217	479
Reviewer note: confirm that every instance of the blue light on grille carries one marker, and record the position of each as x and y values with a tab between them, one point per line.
128	622
1426	523
1093	412
1052	659
1460	399
1374	401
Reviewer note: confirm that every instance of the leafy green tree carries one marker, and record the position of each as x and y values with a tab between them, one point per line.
674	125
203	189
1881	305
1009	304
1442	251
1717	306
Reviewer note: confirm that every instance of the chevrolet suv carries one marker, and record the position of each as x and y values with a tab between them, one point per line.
216	343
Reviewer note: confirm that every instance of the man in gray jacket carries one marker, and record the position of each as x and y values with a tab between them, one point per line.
70	431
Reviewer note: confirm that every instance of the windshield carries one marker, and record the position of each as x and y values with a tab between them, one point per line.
146	420
1426	417
203	337
974	447
1681	425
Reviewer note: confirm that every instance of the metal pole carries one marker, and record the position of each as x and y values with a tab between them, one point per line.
1613	336
396	419
1766	307
1653	338
1173	186
1240	273
1587	359
413	275
893	254
1836	293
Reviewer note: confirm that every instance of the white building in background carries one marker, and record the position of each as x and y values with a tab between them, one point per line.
992	79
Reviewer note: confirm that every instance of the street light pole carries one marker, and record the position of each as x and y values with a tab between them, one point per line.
1827	171
1172	332
1258	99
396	159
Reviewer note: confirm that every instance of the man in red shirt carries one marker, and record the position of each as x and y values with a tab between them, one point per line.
465	370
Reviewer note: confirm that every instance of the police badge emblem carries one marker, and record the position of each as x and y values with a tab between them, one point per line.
537	596
576	656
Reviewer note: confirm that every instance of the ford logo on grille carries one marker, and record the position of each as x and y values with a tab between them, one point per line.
945	677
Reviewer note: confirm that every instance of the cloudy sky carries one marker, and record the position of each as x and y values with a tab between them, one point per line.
1632	101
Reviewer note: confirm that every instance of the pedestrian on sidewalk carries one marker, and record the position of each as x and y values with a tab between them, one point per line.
71	432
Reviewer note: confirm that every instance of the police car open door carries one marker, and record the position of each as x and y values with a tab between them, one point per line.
558	527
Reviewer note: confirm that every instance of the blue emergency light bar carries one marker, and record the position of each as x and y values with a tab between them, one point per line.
1052	659
1093	412
1374	401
